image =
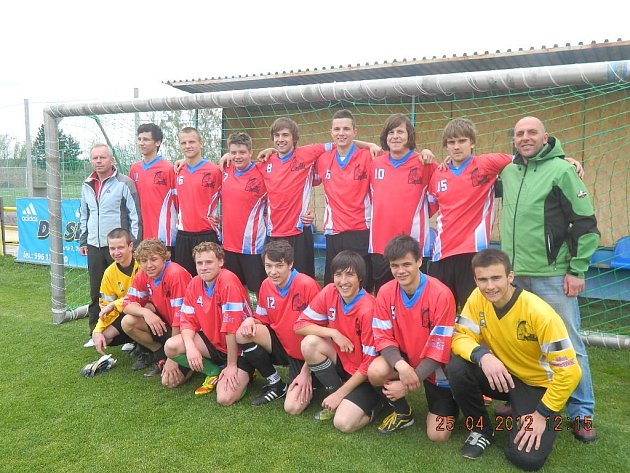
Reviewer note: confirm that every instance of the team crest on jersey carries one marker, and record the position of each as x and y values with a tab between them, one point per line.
478	179
392	310
159	178
332	314
359	173
297	165
426	318
414	177
253	185
200	301
208	180
297	303
524	332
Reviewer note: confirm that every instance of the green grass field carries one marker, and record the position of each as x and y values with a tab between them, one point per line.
52	419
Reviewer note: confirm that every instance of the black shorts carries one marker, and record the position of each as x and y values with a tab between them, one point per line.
303	249
184	245
122	337
280	357
440	400
220	359
249	269
457	274
364	395
357	241
161	339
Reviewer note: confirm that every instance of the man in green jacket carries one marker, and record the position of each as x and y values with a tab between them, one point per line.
549	231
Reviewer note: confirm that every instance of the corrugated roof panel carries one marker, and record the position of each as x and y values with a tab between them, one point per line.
593	52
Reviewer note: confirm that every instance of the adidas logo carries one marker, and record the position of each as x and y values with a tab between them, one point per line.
29	214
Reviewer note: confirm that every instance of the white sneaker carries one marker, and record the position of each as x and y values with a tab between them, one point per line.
88	344
128	346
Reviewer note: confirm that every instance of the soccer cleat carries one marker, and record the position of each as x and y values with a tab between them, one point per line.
156	370
103	364
89	343
396	421
208	386
271	392
145	359
476	444
128	347
324	415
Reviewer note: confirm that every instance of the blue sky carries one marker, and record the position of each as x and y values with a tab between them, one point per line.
90	51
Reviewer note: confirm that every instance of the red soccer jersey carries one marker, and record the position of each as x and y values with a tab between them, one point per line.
353	320
217	308
420	326
155	182
243	202
198	190
166	292
346	189
289	181
399	203
279	308
464	201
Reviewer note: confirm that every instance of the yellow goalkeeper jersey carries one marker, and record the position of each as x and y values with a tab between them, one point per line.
528	336
114	286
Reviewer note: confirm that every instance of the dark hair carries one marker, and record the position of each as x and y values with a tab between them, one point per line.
347	259
120	233
278	251
156	131
240	138
395	121
459	127
343	113
206	246
491	256
285	122
401	245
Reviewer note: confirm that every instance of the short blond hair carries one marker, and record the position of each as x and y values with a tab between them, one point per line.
152	246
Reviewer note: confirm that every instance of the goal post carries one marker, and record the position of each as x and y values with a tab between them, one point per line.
494	99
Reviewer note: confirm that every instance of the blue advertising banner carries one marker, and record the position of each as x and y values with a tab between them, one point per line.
34	231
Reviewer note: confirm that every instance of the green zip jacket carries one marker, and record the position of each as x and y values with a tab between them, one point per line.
548	225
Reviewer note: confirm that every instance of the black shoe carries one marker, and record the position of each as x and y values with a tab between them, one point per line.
138	349
145	359
271	392
476	444
156	370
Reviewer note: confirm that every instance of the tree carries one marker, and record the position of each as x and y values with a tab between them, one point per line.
69	149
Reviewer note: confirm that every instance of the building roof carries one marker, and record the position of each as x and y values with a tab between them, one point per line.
582	53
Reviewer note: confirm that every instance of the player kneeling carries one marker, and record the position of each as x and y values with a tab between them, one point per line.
339	345
413	327
214	306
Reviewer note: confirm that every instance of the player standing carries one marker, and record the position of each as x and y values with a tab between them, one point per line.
398	184
155	180
198	187
243	207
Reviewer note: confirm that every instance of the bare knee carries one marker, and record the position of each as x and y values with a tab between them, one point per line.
379	371
174	346
309	346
